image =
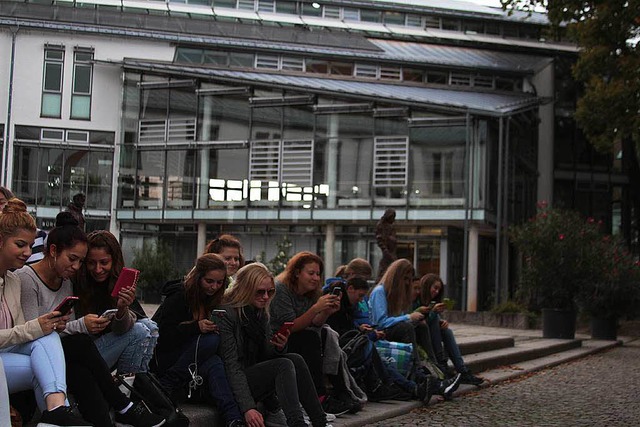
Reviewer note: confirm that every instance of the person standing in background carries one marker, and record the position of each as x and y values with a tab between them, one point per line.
76	207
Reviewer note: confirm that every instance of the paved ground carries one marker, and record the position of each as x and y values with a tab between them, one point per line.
600	390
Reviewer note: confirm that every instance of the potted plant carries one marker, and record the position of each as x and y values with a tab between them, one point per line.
615	294
558	258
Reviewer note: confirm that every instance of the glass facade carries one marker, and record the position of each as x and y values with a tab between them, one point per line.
207	145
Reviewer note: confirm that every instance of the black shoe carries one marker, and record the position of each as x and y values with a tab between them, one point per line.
447	387
401	394
331	405
384	392
425	389
139	416
354	405
61	416
468	378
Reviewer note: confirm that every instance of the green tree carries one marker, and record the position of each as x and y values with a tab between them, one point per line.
278	263
155	262
608	66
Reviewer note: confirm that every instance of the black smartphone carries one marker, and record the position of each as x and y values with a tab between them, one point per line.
216	314
431	305
336	291
66	305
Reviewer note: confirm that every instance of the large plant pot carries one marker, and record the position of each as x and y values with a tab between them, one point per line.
558	323
604	328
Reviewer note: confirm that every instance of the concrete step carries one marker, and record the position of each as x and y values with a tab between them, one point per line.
481	343
374	412
522	351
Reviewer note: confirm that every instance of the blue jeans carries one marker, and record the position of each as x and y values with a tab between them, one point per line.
37	365
5	417
131	351
445	337
210	368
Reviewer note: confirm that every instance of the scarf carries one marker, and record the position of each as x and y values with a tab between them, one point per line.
254	333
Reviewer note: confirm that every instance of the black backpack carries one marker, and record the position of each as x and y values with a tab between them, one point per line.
360	352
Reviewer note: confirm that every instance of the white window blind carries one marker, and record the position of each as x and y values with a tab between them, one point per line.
390	161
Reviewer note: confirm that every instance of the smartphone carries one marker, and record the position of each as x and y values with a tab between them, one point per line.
336	291
109	314
216	314
127	278
286	326
431	305
66	305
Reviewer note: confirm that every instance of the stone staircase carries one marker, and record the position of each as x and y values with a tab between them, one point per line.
497	354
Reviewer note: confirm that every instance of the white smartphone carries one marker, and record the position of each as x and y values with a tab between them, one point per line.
109	314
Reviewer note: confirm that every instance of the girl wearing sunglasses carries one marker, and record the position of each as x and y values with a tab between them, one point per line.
256	360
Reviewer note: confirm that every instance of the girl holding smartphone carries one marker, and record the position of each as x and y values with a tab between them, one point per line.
256	362
30	351
188	343
45	285
130	338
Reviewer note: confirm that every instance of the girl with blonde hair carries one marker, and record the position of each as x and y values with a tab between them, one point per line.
256	362
390	308
31	351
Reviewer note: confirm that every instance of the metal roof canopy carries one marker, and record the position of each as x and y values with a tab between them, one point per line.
445	100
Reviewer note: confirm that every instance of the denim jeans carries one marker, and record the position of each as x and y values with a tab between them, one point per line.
131	351
288	376
210	368
37	365
5	416
445	337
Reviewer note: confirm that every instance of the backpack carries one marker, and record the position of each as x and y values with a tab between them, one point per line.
359	350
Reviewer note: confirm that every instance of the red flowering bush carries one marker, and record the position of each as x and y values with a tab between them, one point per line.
562	253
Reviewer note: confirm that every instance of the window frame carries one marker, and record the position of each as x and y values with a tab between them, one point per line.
75	94
50	61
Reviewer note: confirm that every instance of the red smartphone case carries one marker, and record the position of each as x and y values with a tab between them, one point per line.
128	277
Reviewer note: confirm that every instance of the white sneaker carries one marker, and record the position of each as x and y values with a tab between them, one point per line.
275	419
328	417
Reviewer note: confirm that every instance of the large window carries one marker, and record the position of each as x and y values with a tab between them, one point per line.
82	84
437	159
52	82
49	175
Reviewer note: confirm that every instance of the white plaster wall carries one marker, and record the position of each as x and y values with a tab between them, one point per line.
107	83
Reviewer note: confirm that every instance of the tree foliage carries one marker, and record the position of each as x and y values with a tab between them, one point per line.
155	262
608	65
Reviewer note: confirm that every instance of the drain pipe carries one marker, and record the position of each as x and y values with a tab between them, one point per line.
7	132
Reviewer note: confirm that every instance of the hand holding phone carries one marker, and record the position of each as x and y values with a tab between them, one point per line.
286	326
128	277
216	314
109	314
66	305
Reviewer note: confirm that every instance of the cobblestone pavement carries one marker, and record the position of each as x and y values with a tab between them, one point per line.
600	390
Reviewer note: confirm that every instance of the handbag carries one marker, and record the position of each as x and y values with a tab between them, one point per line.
398	354
147	389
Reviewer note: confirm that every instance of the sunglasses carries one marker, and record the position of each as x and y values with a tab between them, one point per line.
267	293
